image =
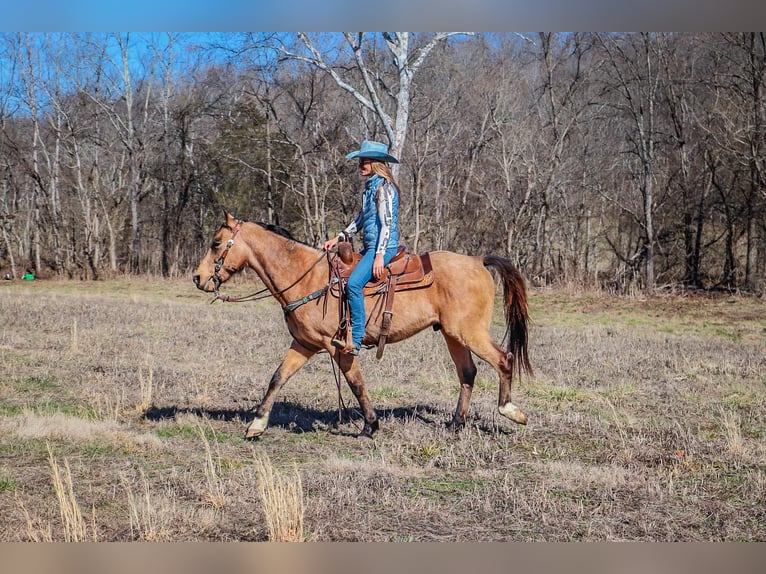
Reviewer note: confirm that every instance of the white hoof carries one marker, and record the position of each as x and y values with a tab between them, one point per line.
257	427
511	411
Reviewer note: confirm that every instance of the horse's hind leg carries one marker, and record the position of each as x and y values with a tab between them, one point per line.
504	405
296	357
484	347
349	365
466	372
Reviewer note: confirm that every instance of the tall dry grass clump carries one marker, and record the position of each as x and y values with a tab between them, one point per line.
74	347
108	406
35	529
282	499
732	424
215	494
146	387
146	521
72	521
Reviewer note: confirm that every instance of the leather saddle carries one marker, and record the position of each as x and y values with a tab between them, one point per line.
405	271
410	271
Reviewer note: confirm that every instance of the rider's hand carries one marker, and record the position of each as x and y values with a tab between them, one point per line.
330	243
377	266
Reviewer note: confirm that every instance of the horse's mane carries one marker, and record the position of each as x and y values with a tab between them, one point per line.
277	229
281	231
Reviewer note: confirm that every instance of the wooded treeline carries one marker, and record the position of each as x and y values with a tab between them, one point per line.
620	160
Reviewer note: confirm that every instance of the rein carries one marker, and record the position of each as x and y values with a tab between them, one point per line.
265	292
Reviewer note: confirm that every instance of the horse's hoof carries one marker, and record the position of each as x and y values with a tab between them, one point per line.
456	425
257	427
370	429
511	411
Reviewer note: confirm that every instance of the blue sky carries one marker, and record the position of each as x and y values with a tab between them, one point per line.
423	15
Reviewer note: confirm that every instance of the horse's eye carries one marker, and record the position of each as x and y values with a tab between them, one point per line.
215	244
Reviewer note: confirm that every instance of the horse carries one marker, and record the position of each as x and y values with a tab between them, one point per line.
459	304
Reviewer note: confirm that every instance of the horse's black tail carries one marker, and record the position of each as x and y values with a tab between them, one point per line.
516	313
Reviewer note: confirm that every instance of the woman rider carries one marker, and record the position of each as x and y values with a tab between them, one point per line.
378	222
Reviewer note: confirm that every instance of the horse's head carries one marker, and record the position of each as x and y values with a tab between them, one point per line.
225	257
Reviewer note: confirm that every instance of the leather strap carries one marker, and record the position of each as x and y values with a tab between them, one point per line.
388	315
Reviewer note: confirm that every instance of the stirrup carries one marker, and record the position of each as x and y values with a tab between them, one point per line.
350	350
338	343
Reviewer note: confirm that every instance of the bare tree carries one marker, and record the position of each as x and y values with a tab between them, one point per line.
7	80
748	72
119	101
683	62
369	85
635	81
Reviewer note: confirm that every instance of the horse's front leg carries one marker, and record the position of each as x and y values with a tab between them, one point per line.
296	357
349	365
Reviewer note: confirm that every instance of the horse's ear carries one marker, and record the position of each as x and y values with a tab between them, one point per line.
231	221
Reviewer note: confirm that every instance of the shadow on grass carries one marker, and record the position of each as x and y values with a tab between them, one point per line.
299	419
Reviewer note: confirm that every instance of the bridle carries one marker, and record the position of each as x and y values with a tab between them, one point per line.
265	292
215	278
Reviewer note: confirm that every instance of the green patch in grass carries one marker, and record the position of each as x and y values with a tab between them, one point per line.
10	410
554	393
23	447
564	394
8	484
172	431
99	450
741	398
426	452
564	494
612	418
317	437
192	432
34	384
386	392
440	489
727	333
618	391
754	431
49	408
482	384
53	407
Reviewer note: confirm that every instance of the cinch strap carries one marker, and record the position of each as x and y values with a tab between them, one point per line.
310	297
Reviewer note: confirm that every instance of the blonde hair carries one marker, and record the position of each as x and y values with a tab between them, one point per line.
381	169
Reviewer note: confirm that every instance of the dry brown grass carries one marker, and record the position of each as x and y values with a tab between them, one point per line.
281	497
146	389
148	521
74	526
215	493
35	529
647	422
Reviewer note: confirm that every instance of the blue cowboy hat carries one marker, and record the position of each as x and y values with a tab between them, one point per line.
373	150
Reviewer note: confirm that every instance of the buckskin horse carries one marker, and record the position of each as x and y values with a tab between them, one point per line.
459	303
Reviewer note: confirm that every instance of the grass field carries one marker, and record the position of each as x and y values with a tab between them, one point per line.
123	405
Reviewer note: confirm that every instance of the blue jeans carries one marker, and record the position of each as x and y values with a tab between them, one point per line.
354	291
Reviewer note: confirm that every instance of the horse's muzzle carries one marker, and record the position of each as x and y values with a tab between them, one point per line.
211	284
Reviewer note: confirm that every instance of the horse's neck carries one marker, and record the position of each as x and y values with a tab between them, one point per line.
280	262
